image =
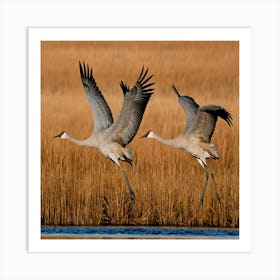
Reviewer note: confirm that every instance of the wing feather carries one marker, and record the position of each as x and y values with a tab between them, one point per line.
134	104
205	122
190	108
101	112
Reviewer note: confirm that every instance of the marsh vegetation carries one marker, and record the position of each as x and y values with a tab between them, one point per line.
80	187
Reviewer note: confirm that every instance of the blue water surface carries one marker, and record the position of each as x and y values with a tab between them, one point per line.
140	232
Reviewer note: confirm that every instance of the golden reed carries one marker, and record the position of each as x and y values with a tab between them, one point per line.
79	186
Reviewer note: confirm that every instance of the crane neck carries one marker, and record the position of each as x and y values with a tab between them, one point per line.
161	139
75	141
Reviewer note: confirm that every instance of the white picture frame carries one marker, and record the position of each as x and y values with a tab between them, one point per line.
36	35
260	262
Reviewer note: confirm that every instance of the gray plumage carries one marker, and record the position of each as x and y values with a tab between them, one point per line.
109	137
201	120
190	108
205	121
196	137
101	112
135	101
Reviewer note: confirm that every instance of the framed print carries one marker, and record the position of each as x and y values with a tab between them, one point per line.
79	201
66	210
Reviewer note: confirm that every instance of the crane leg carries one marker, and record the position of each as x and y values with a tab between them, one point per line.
208	171
215	186
206	181
131	192
114	158
204	189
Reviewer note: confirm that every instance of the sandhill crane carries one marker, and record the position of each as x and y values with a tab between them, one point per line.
195	139
109	137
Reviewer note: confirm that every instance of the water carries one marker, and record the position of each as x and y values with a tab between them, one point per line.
139	232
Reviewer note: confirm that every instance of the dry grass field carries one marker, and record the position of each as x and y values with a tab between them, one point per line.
79	186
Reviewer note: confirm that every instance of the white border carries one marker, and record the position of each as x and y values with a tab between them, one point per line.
243	244
263	260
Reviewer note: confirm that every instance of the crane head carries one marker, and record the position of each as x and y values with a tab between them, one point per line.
60	135
148	134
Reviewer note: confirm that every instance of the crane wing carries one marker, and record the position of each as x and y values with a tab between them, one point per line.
134	104
190	108
205	122
101	112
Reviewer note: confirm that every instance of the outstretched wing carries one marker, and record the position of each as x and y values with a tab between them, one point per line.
135	101
205	122
190	108
101	112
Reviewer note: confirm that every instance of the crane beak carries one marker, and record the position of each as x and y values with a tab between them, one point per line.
145	135
57	136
